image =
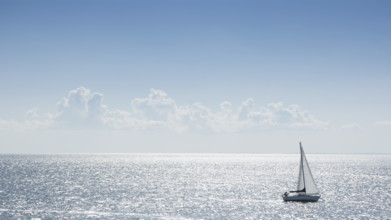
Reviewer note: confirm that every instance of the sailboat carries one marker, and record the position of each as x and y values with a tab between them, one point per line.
306	187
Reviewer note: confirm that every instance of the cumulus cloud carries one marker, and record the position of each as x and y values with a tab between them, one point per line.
82	108
158	110
157	106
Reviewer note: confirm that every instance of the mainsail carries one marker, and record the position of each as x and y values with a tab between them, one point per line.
306	183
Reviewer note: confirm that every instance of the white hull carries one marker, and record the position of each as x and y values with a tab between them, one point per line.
302	198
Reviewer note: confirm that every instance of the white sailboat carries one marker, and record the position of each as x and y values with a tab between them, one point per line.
306	187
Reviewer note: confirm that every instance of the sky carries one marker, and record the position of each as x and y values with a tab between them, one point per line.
200	76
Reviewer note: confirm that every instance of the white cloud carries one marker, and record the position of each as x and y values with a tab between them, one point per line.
383	123
80	108
157	106
32	122
10	125
159	110
32	113
84	109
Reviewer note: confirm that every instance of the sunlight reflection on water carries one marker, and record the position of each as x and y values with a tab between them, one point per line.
190	186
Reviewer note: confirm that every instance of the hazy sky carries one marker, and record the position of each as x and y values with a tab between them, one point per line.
195	76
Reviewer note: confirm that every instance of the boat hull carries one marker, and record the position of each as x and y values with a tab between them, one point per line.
302	198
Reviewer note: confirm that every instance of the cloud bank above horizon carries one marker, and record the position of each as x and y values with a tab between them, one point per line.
84	109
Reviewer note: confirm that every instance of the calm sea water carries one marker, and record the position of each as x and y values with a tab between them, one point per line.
190	186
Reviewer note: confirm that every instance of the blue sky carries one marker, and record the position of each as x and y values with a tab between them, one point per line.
331	59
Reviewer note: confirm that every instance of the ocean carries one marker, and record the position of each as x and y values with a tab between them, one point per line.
191	186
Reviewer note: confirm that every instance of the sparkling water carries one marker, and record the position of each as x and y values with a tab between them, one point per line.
190	186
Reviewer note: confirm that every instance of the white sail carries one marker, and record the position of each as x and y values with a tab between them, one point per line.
306	181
